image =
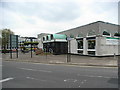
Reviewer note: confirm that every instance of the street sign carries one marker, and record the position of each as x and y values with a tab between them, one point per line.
13	41
13	44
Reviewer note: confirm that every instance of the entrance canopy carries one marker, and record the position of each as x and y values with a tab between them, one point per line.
58	36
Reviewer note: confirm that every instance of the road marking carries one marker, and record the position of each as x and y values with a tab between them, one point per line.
36	70
70	80
4	80
95	76
65	80
75	80
99	76
36	79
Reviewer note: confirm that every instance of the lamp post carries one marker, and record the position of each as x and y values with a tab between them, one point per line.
31	46
69	51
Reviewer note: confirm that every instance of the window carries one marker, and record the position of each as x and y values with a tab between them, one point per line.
106	33
47	37
43	38
117	34
91	32
51	37
91	44
80	44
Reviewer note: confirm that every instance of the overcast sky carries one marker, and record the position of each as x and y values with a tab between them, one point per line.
51	16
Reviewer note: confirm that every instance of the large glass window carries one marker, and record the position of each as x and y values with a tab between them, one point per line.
80	44
91	44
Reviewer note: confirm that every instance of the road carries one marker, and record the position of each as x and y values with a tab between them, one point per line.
34	75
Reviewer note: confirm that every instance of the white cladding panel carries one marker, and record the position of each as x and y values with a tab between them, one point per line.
108	46
73	46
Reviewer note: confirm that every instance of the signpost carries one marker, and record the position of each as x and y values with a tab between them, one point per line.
31	46
13	44
69	51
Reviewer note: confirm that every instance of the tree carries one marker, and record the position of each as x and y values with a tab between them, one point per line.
5	37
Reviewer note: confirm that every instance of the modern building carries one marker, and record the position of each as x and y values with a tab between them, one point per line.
97	38
40	39
54	43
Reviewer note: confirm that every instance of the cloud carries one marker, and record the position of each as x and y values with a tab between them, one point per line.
51	16
98	11
60	12
57	11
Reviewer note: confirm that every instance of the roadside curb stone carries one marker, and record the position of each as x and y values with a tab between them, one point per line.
64	63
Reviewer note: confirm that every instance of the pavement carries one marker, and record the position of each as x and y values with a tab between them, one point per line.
36	75
62	59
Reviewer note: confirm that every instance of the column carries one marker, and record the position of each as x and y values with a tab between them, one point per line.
97	47
85	46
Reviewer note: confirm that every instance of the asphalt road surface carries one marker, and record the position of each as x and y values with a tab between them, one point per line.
34	75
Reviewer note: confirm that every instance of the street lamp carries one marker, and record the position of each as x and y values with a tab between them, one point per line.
69	51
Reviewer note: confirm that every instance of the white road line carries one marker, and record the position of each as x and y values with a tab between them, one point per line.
75	80
99	76
36	70
70	80
92	76
36	79
65	80
4	80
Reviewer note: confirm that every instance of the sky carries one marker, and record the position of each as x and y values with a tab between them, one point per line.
32	17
